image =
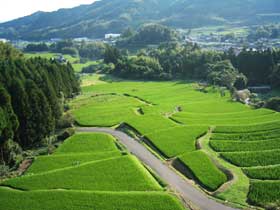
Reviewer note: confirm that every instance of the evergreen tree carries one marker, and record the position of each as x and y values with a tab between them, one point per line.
23	111
8	121
41	123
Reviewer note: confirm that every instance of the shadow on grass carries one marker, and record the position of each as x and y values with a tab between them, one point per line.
110	78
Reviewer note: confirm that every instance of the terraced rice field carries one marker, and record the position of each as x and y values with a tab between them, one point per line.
201	166
87	172
257	153
171	116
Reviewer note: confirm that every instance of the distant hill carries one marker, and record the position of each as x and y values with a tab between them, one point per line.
113	16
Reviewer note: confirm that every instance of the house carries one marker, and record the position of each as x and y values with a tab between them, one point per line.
81	39
260	89
242	96
112	36
61	59
55	40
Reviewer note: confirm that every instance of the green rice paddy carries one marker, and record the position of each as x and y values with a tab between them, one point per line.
86	172
254	148
171	116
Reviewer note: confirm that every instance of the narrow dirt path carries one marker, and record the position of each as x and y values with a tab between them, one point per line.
175	181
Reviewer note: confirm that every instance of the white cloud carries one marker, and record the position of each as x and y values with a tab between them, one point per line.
11	9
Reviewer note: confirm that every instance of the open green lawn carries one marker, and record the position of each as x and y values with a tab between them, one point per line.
173	115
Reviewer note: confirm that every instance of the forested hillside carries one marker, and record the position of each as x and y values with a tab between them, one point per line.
32	95
113	16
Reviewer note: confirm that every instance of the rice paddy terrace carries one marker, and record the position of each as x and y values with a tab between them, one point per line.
230	150
87	172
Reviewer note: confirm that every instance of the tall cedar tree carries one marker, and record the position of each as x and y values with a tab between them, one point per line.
30	103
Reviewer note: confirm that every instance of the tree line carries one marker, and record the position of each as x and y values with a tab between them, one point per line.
188	61
271	31
260	66
32	95
90	51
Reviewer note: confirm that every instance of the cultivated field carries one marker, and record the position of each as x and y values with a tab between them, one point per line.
87	172
256	149
171	116
75	61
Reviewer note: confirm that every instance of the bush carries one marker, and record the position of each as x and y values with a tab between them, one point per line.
241	82
4	170
13	153
107	68
36	47
69	51
66	107
66	134
89	69
273	103
65	121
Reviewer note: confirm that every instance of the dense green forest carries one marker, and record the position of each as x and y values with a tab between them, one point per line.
32	96
176	61
271	31
147	34
114	16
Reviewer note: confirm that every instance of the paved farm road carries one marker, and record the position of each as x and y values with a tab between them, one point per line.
176	182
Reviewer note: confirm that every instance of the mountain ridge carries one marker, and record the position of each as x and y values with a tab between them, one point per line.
113	16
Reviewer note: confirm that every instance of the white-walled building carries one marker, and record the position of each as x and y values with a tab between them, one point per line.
112	36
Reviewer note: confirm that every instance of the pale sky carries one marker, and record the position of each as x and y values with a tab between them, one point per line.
11	9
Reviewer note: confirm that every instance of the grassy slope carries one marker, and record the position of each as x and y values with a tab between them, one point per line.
78	200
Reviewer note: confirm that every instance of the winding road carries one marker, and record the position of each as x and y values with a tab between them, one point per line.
188	192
